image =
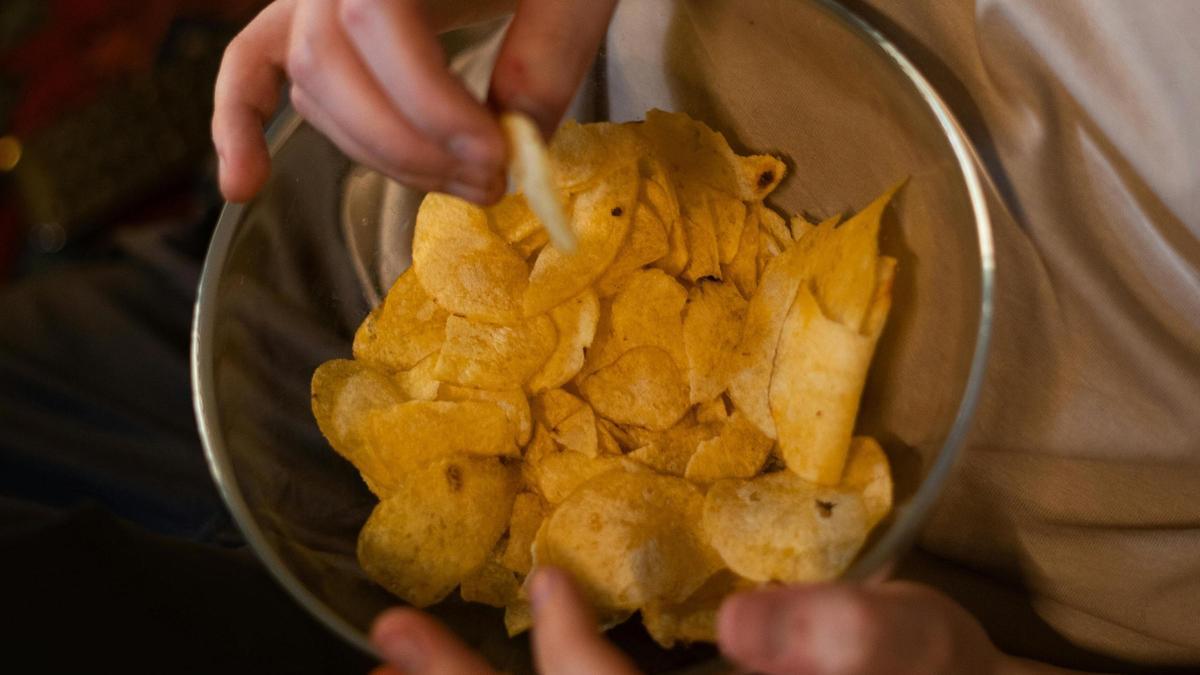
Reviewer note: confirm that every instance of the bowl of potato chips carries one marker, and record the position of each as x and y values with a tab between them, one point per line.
728	329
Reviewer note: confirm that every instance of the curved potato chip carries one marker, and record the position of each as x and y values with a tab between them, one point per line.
343	392
868	473
512	219
491	584
713	411
555	405
643	388
406	328
601	219
556	473
696	215
775	226
488	356
438	526
647	312
780	527
695	619
645	243
511	401
742	271
729	219
738	452
467	268
712	323
418	382
659	193
578	432
575	321
583	153
404	437
669	451
531	170
528	512
628	539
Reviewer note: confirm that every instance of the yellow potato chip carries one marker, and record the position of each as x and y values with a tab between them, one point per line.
712	412
556	473
729	219
491	584
669	451
742	271
647	312
438	526
780	527
601	219
406	328
400	439
533	173
695	619
738	452
628	539
488	356
575	322
799	226
578	432
868	474
625	441
843	263
775	226
584	153
528	512
518	618
343	392
659	194
463	265
530	245
511	401
645	243
418	383
512	219
555	405
712	322
643	388
704	259
607	444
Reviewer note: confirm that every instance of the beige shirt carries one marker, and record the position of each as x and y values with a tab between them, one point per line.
1073	524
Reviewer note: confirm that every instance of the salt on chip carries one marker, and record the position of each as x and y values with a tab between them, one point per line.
645	243
575	322
556	473
628	539
601	218
491	584
465	266
490	356
533	173
694	619
406	328
780	527
738	452
868	474
400	439
528	512
712	320
437	527
511	401
643	388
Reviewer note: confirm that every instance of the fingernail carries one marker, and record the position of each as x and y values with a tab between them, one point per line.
474	150
470	193
399	649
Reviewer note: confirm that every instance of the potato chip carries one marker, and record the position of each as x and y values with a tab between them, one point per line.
775	226
531	170
799	226
606	443
659	194
406	328
400	439
438	526
601	219
531	245
555	405
699	227
780	527
742	271
729	219
645	243
712	412
693	150
491	584
694	619
512	219
646	313
712	321
488	356
868	474
624	440
343	393
669	451
628	539
418	383
578	432
643	388
511	401
738	452
556	473
467	268
528	512
518	618
584	153
575	321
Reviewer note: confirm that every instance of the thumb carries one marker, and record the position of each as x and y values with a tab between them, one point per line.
545	54
894	628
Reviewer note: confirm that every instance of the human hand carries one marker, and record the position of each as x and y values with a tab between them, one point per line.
371	76
834	629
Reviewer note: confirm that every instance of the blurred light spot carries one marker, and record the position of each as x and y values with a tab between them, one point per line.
49	237
10	153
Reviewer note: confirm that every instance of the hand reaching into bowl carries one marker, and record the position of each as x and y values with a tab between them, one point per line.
892	628
371	75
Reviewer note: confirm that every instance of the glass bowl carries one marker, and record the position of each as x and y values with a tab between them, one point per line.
291	275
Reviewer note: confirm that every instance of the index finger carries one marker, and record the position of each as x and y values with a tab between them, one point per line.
566	639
